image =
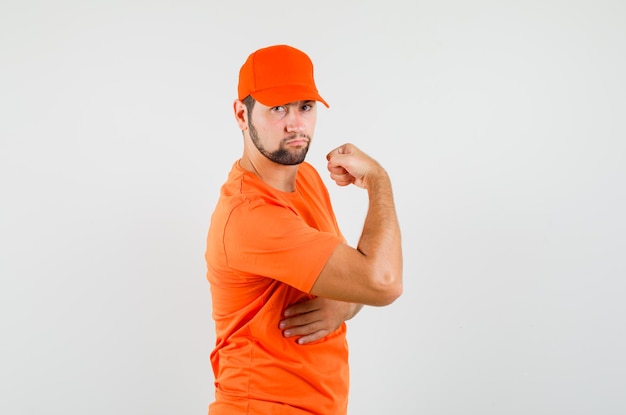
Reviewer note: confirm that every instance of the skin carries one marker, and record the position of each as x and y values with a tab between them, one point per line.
371	273
287	128
276	140
314	319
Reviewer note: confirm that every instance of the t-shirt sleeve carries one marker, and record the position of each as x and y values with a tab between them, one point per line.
274	242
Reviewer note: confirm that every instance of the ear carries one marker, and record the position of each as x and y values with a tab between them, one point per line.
241	114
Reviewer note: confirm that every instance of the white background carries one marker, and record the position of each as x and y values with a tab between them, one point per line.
502	124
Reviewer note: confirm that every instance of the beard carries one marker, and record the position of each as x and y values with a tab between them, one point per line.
282	155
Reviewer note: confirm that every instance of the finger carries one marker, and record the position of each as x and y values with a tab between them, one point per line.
343	180
344	177
304	330
335	158
338	150
301	307
306	334
297	321
312	337
339	168
342	149
308	316
336	169
339	174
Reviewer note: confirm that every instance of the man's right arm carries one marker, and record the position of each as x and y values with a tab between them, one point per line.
371	273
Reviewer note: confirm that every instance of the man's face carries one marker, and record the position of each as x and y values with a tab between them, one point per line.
283	133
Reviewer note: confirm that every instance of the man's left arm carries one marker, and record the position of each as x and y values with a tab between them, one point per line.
316	318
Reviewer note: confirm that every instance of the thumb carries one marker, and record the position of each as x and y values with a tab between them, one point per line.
343	149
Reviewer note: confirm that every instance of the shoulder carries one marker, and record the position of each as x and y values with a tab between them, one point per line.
308	173
307	169
310	182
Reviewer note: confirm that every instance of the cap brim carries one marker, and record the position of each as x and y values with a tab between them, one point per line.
281	95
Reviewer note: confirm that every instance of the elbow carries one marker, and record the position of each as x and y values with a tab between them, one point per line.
388	290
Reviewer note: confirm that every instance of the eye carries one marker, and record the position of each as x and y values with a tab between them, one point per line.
279	109
308	106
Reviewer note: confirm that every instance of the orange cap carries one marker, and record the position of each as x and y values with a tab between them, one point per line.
278	75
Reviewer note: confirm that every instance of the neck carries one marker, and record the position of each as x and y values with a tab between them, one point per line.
278	176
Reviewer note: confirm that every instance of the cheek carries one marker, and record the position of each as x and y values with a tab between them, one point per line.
271	132
313	121
266	127
311	126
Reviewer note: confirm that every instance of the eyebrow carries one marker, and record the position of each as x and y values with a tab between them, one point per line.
304	101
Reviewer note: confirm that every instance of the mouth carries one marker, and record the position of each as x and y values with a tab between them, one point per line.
298	141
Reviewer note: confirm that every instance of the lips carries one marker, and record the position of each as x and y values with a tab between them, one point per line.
299	140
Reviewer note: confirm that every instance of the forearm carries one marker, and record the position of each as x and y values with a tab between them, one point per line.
371	273
380	240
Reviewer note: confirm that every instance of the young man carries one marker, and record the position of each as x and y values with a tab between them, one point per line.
282	277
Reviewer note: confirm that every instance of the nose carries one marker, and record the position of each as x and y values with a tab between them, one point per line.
295	121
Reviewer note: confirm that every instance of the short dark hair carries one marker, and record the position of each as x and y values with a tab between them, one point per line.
249	103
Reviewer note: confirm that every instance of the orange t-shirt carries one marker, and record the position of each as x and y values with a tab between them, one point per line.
265	249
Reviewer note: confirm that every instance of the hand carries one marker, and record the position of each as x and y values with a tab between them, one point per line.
349	165
316	318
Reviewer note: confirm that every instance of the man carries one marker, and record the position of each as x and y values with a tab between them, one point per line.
282	277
